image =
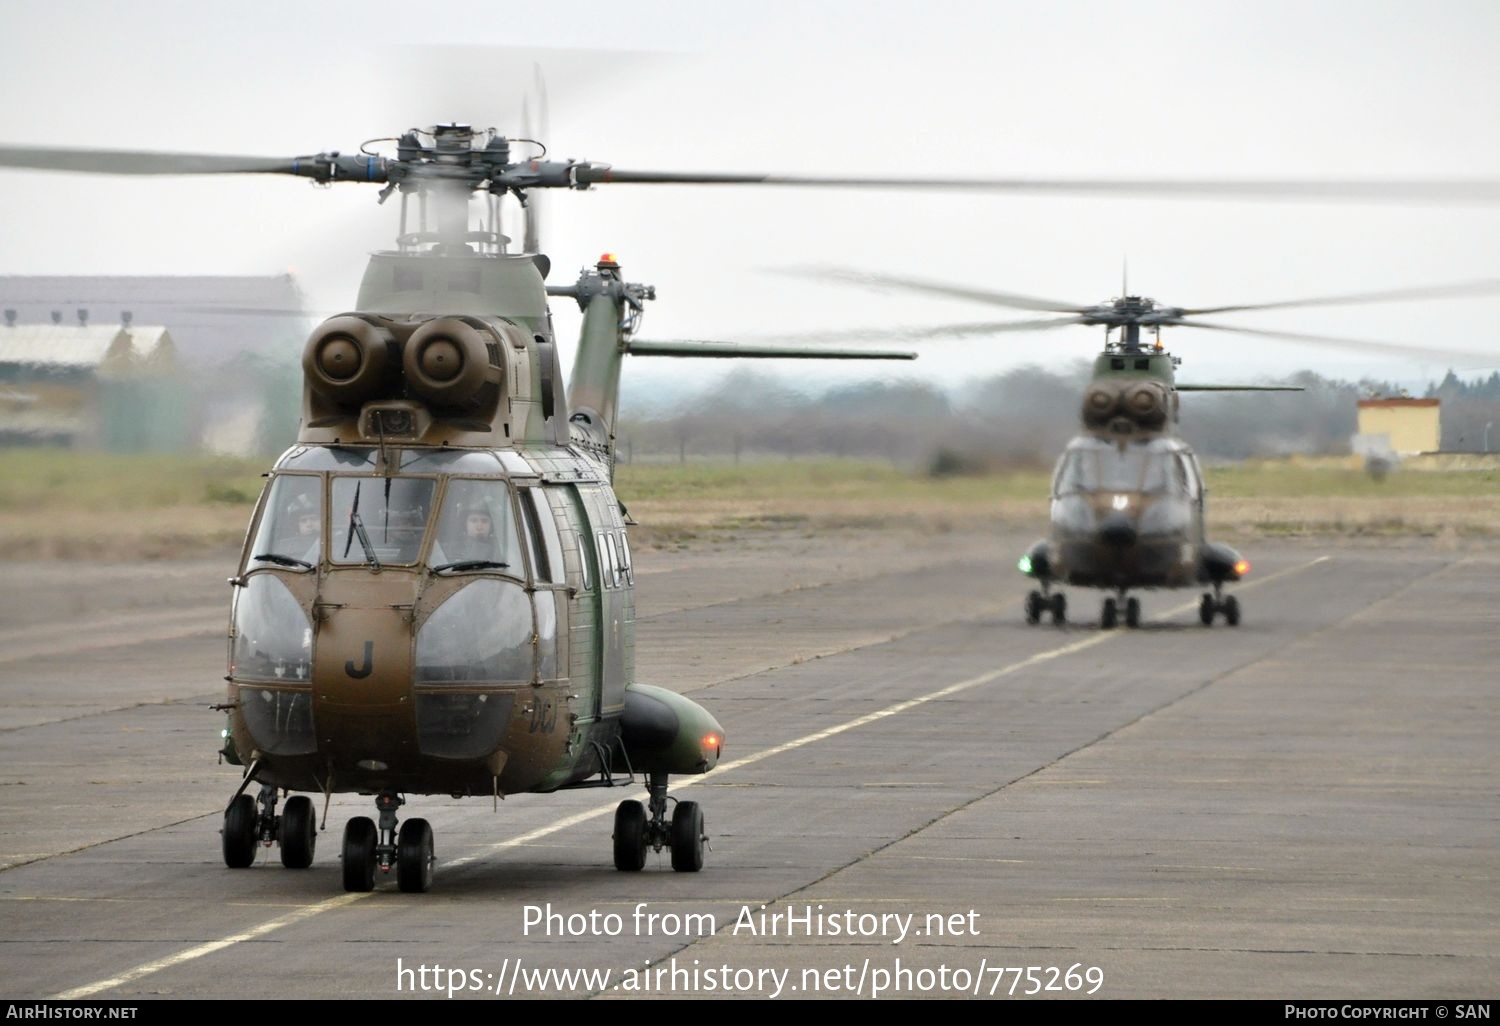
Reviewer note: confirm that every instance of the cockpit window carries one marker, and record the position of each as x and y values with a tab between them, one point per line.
476	529
379	518
291	528
1115	470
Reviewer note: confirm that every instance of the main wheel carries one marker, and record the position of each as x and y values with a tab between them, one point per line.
414	856
1034	606
299	832
1232	611
1108	614
1132	612
241	833
359	854
687	838
1059	608
630	837
1206	610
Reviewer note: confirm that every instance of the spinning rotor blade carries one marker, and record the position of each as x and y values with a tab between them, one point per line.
1359	345
534	202
1482	287
131	162
1006	299
730	350
1430	191
918	334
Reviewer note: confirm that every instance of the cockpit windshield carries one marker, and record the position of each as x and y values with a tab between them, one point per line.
476	529
1109	468
379	520
291	529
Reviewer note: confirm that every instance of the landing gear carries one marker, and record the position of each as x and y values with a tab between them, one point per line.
368	848
414	856
1114	608
241	832
638	827
630	837
250	823
1217	603
298	832
359	854
1039	603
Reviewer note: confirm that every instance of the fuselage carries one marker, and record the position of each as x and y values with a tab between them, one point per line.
1126	513
396	648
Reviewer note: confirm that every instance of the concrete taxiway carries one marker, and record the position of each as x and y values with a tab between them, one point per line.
1302	807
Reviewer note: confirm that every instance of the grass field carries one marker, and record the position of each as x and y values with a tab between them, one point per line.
56	504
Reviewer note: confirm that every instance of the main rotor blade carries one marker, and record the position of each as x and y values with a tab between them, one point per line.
1481	287
734	350
132	162
889	281
919	334
1359	345
1411	190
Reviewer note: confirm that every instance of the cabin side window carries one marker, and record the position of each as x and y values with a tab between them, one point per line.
625	564
606	563
614	559
543	540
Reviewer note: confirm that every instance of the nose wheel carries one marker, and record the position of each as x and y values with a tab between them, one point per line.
640	827
369	850
1113	609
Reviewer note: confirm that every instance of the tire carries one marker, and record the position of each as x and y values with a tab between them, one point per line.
1108	614
299	832
1232	611
359	854
1059	609
1132	612
687	838
414	856
630	837
1206	610
1034	605
241	833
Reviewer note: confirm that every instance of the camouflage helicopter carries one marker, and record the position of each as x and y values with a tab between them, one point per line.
435	593
1128	495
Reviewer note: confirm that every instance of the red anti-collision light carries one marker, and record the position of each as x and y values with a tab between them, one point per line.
711	741
1242	567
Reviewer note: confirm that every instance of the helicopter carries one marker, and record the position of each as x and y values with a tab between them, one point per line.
435	594
1128	495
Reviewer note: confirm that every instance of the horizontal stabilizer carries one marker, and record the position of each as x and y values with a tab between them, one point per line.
732	350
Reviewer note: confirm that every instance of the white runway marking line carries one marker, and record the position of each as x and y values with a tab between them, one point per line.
308	911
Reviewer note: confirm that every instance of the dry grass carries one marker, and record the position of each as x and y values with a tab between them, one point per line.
58	505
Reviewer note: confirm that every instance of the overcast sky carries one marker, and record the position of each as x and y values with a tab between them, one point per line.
1351	88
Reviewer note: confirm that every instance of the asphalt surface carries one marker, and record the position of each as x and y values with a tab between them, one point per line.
1306	806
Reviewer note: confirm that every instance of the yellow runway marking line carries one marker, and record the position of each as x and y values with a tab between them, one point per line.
308	911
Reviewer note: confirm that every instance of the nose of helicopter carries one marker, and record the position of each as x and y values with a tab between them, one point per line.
1117	531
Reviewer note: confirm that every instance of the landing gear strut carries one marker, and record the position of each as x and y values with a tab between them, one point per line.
638	827
1217	603
367	848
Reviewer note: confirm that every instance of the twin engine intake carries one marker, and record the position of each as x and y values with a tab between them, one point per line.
1125	407
400	377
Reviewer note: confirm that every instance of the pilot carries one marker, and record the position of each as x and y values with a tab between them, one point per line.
478	541
303	512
